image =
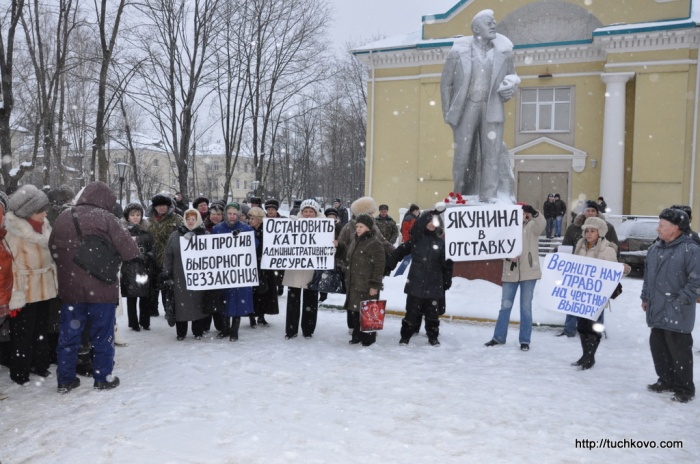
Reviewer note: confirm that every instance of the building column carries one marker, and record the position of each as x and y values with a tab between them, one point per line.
612	166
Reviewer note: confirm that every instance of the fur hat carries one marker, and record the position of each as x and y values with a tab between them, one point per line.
272	203
309	203
4	201
677	217
596	223
363	205
257	201
330	211
161	200
591	204
217	206
199	200
132	207
413	208
365	219
28	200
256	211
688	210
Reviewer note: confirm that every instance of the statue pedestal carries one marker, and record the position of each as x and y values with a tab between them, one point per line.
491	270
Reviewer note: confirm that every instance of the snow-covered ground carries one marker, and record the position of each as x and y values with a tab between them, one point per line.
267	400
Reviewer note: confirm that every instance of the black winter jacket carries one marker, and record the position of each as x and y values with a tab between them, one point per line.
430	275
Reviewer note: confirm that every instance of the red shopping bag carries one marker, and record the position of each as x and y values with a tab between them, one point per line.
372	315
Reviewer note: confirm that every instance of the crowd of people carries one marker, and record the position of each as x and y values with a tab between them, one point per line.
57	309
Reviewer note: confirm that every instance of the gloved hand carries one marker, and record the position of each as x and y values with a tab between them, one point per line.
447	284
235	232
530	209
165	279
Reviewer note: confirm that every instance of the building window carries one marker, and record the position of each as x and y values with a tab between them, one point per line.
545	109
214	166
245	167
156	162
238	183
245	185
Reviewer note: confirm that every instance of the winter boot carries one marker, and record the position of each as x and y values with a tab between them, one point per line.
225	327
253	323
262	321
593	340
432	330
407	331
235	325
581	337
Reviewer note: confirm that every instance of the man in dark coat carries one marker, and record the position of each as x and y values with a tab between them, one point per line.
669	292
549	210
87	300
343	215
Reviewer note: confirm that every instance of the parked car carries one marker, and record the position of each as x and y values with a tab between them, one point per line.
636	235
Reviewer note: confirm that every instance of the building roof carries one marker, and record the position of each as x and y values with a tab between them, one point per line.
414	40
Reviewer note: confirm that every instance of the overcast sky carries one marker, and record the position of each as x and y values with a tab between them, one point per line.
359	20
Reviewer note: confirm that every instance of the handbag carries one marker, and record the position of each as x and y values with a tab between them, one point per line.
617	292
96	256
328	281
372	315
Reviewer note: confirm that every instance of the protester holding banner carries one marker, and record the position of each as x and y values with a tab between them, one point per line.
574	233
364	260
428	279
298	295
593	245
238	300
671	286
522	272
216	215
188	305
265	294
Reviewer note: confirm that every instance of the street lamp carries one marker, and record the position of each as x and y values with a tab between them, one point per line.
122	169
255	184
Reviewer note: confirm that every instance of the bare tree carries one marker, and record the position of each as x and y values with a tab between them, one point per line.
108	38
8	28
286	54
178	43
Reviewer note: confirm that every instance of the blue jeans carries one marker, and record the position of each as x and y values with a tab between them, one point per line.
558	222
71	323
527	290
550	227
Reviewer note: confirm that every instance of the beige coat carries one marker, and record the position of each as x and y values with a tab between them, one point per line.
33	268
527	267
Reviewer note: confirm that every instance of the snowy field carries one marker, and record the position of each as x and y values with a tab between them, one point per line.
267	400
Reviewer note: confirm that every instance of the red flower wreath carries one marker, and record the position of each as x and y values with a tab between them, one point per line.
455	198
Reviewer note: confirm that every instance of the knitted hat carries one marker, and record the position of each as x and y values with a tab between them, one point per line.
160	200
28	200
309	203
3	201
596	223
272	203
231	204
365	219
256	212
383	208
363	205
330	211
199	200
338	200
132	207
674	216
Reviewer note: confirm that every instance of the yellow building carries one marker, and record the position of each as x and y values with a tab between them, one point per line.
607	105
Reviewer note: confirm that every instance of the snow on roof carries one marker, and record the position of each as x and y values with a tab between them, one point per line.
415	40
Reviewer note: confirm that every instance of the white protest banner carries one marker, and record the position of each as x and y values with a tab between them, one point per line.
219	261
474	233
578	285
304	243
